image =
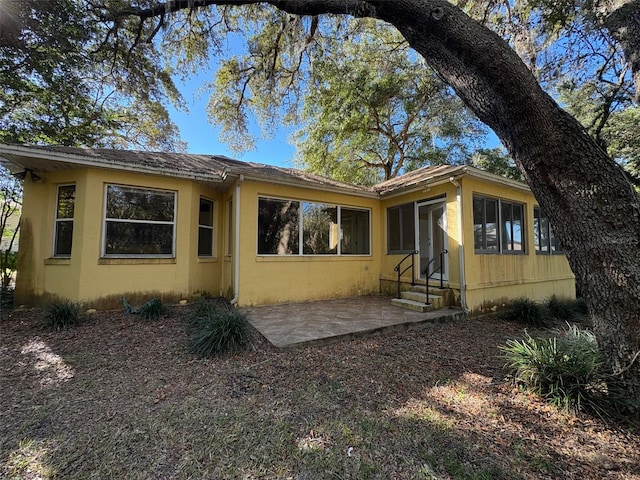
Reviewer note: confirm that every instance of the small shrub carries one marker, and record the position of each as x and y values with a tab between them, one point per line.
151	310
580	307
64	315
215	330
568	310
566	369
525	311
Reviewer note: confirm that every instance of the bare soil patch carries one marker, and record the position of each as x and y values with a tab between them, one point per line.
121	398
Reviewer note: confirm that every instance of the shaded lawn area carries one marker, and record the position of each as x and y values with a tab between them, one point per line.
120	398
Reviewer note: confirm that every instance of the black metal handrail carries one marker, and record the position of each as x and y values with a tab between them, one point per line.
429	275
412	267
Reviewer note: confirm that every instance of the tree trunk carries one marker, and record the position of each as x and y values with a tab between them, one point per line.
591	204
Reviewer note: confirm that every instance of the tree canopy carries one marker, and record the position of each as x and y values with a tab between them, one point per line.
62	83
374	110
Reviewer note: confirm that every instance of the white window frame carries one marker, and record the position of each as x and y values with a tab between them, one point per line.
502	249
301	229
57	221
157	222
207	227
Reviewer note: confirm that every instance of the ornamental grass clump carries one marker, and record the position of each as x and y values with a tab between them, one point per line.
215	330
525	311
151	310
568	310
63	315
566	369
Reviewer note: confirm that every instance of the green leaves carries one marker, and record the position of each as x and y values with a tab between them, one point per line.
215	330
376	109
567	369
66	82
64	315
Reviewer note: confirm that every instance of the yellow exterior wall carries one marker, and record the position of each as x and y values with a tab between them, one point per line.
271	279
492	279
34	278
444	192
89	278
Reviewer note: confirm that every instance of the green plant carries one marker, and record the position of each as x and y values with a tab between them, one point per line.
63	315
151	310
215	330
566	369
525	311
566	309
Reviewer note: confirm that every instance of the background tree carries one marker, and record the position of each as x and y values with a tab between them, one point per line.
373	109
496	160
592	205
61	85
10	204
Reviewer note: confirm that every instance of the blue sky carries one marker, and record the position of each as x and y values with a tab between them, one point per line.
202	137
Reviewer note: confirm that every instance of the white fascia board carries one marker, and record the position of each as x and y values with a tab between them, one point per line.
427	182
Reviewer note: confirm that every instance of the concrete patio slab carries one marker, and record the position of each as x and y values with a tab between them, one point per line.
300	324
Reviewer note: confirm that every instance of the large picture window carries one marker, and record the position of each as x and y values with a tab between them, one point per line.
205	228
291	227
139	222
65	206
401	228
544	239
498	225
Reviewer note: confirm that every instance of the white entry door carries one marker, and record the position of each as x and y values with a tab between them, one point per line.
431	232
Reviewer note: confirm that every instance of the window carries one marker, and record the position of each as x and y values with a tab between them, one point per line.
205	228
278	223
485	225
139	222
544	239
290	227
319	229
511	219
354	225
498	226
64	220
401	229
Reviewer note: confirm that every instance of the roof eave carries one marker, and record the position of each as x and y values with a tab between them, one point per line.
455	174
84	161
294	182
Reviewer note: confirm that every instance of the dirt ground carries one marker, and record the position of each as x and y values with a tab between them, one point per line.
121	398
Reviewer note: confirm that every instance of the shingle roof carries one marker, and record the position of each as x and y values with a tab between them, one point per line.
418	177
219	171
212	168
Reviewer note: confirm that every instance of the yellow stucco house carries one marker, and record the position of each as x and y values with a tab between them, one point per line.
99	224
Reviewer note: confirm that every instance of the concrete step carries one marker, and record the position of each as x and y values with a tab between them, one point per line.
423	289
421	297
413	305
